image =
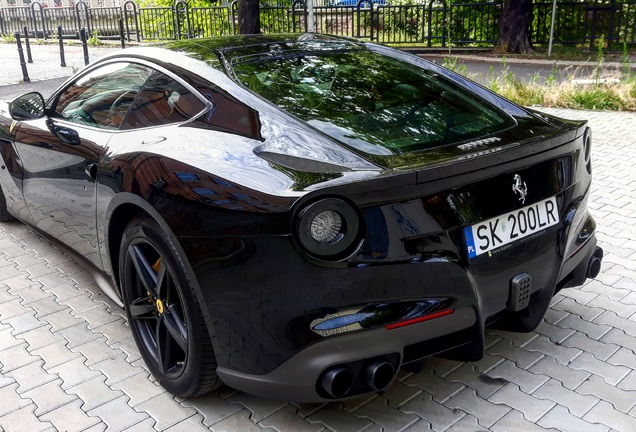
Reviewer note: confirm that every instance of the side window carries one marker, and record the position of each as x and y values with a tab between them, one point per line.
162	101
102	97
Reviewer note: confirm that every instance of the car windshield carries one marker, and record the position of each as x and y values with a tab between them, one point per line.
377	104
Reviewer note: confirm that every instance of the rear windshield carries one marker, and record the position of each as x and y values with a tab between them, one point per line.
377	104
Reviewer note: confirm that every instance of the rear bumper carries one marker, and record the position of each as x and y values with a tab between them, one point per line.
298	378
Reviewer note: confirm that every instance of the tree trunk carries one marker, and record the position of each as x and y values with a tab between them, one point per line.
514	27
249	17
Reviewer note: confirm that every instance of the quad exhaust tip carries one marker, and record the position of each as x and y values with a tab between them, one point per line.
378	375
594	265
339	381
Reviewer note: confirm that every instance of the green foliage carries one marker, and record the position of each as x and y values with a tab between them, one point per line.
10	39
94	39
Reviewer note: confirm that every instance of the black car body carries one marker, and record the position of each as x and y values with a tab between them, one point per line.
300	215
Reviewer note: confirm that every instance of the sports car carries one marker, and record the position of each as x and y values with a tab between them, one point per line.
299	216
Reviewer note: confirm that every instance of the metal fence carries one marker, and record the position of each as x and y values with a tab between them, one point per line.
427	23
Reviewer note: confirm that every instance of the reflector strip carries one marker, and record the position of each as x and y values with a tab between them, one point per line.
419	319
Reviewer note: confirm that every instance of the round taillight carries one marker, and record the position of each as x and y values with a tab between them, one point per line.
328	229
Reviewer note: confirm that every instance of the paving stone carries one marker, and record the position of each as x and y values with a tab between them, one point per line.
600	350
16	357
482	384
576	309
213	408
144	426
23	420
94	392
12	309
260	408
553	332
487	362
420	426
620	309
487	412
440	388
98	316
605	413
554	315
116	369
610	373
30	376
610	318
467	423
518	339
79	303
379	411
441	417
140	389
623	357
238	422
527	381
442	367
515	421
561	419
606	293
165	411
78	335
74	372
590	329
520	356
397	394
531	408
622	400
24	323
7	339
620	338
55	354
578	295
129	347
62	320
191	424
96	351
629	382
562	354
115	331
287	419
577	404
48	397
70	418
117	414
33	293
570	378
11	401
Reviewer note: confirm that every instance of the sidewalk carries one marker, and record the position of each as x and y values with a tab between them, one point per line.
46	61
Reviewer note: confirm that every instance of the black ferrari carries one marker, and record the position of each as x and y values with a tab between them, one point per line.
299	216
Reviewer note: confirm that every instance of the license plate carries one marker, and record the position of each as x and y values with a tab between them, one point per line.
507	228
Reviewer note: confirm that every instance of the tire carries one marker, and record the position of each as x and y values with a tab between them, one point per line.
4	213
163	312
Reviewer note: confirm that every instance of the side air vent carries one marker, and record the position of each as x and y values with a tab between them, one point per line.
302	164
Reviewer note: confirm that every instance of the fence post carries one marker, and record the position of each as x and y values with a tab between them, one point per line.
61	42
82	34
25	73
28	46
121	33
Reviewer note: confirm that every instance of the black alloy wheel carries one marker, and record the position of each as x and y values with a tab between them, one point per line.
163	312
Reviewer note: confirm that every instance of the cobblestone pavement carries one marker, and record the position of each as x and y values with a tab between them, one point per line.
68	361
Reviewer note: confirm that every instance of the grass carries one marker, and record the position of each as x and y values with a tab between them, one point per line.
605	89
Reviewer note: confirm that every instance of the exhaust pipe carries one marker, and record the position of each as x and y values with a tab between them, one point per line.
337	381
594	265
378	375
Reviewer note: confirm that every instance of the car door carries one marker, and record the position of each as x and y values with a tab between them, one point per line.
61	151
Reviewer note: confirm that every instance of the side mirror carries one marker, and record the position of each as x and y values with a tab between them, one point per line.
27	107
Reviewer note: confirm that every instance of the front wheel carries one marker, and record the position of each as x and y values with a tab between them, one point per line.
163	312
